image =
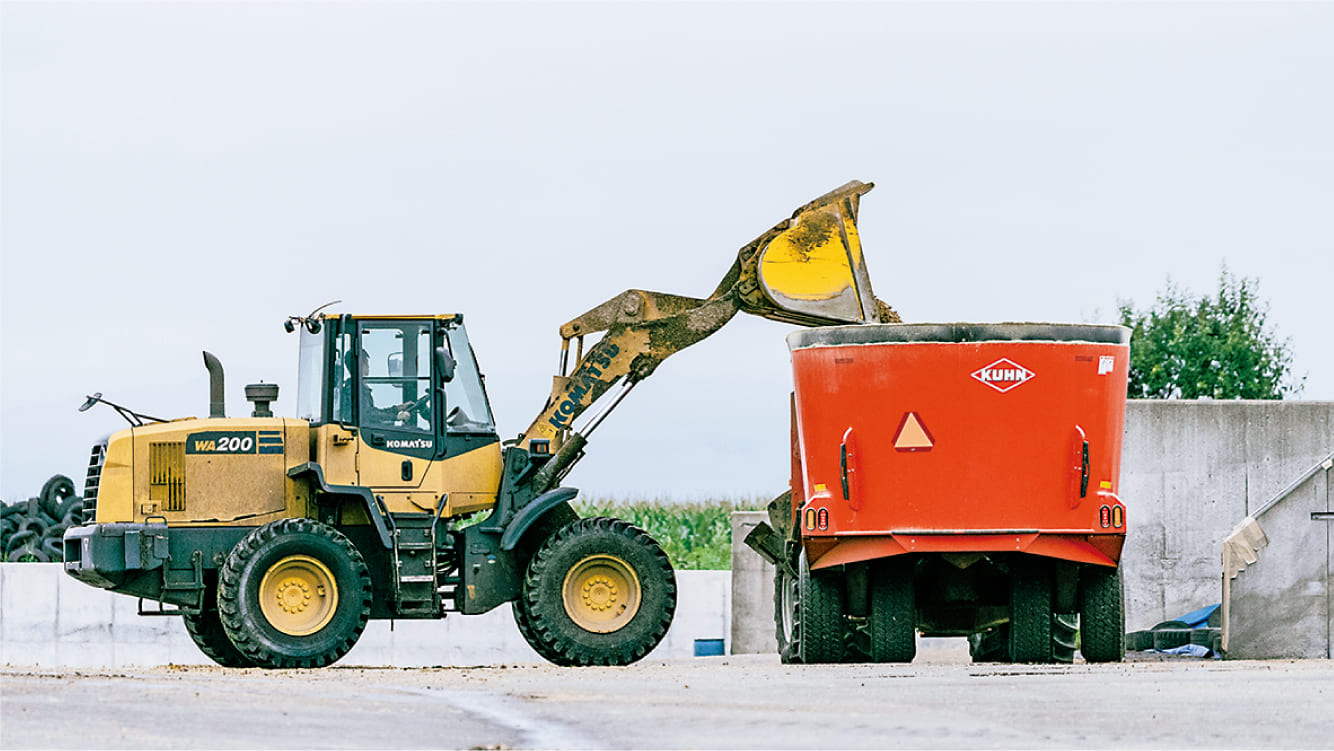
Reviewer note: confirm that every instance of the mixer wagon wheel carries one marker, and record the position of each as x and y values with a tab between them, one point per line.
893	612
205	630
1102	614
294	594
819	616
787	602
1064	628
1030	613
597	592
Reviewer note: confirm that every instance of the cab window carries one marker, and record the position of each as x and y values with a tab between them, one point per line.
395	364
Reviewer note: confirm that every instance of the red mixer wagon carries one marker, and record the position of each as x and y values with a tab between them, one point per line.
954	480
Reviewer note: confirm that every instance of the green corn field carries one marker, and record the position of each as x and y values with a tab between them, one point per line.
695	535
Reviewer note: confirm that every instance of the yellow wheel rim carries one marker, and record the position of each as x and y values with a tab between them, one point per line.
601	594
298	595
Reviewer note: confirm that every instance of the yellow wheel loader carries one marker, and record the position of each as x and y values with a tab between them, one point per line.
277	539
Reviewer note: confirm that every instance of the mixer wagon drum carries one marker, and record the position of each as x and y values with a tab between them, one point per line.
983	461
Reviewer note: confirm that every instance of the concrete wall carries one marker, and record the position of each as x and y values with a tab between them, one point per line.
1190	470
1281	604
752	591
51	620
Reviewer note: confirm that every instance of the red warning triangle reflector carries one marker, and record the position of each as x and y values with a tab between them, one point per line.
912	434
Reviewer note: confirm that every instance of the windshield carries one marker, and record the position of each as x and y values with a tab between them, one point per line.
465	397
310	377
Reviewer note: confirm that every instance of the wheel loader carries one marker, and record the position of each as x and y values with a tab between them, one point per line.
390	494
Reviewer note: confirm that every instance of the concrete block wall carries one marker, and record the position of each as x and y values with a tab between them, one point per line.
752	591
1282	606
1190	470
48	619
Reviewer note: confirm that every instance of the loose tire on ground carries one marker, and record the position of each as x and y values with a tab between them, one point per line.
205	630
787	601
1102	614
893	617
597	592
1030	613
820	616
294	594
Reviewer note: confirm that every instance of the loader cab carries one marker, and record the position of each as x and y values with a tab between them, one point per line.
389	398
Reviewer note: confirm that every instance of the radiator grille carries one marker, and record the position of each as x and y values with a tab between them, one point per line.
91	482
166	473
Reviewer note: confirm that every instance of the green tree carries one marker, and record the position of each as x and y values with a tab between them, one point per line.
1217	346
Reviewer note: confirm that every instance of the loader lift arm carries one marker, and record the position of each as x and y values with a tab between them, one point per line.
807	269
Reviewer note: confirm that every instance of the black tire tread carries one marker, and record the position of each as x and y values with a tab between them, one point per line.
893	616
1102	614
240	624
1030	614
205	630
541	617
789	651
820	617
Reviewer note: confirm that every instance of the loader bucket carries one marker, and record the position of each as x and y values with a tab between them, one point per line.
809	269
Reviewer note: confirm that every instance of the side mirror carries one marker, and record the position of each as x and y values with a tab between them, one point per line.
446	363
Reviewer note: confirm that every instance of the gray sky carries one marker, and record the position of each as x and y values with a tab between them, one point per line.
182	176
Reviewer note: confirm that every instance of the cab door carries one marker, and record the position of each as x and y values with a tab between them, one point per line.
398	412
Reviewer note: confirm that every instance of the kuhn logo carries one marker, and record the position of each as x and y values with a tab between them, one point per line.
1003	375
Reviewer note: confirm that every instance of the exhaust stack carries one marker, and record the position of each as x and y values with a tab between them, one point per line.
217	404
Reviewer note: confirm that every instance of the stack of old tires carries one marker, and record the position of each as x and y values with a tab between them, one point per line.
33	530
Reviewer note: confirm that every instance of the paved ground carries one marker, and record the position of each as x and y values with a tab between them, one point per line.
723	702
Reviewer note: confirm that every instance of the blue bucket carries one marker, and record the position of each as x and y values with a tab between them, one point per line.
708	647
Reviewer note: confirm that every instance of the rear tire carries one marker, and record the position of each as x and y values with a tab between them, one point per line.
893	612
820	615
206	631
294	594
1030	613
597	592
1102	614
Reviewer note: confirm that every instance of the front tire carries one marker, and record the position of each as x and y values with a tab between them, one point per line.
597	592
294	594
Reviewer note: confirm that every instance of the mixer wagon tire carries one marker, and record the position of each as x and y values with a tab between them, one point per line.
787	602
597	592
893	614
294	594
1030	614
992	645
819	617
1102	614
1064	629
205	630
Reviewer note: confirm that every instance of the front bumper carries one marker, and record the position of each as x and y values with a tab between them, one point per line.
108	555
